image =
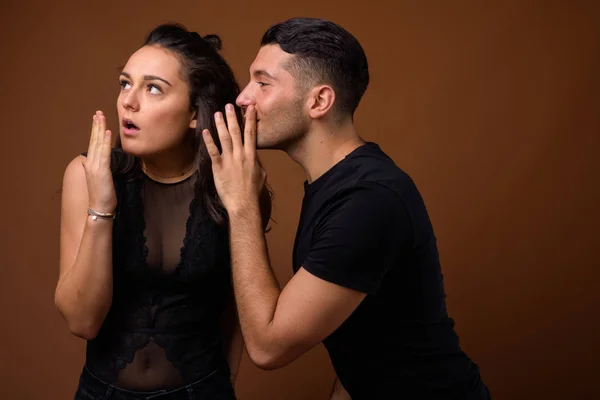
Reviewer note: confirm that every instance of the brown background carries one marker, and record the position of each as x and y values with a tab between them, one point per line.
494	109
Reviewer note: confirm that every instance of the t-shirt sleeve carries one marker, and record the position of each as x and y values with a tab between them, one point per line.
360	238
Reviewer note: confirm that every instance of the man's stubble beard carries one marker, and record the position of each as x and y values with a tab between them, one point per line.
290	129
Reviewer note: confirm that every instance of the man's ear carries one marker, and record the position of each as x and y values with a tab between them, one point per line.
321	100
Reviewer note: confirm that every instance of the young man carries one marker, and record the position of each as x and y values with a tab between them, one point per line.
367	280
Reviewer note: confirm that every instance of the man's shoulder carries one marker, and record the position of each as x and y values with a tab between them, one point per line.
368	174
372	168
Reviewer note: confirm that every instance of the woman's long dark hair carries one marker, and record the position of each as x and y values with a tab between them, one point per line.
212	85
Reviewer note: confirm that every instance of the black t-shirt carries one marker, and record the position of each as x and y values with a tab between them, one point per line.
365	226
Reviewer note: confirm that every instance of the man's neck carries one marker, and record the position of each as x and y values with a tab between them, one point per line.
323	147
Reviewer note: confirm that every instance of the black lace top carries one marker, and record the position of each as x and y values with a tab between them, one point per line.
171	276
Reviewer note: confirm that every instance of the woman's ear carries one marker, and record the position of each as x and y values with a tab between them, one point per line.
194	121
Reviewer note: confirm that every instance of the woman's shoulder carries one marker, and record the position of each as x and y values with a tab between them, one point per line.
115	153
119	160
74	175
75	171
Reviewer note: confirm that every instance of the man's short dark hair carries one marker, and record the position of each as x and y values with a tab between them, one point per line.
324	52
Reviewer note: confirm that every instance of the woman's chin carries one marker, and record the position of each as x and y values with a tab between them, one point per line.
133	149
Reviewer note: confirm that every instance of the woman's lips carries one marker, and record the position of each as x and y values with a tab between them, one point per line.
129	127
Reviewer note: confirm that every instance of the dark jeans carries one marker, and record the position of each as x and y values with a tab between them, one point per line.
215	386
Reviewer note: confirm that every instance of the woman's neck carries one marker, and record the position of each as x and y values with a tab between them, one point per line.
172	167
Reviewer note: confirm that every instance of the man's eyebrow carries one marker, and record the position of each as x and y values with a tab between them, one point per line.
262	73
148	78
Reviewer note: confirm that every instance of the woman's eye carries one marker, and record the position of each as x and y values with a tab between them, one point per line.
124	85
154	89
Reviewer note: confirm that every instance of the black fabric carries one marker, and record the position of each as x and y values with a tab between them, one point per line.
214	387
171	277
365	226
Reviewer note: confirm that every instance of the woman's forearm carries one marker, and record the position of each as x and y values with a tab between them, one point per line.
84	292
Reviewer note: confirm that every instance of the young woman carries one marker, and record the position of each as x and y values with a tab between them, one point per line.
144	257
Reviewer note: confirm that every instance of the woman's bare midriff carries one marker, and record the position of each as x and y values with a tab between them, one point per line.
150	370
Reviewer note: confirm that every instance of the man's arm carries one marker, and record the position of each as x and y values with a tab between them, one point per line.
279	326
354	250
